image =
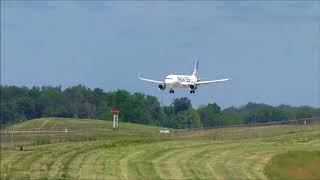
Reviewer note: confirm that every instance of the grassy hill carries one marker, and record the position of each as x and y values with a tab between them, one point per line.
52	130
90	150
78	124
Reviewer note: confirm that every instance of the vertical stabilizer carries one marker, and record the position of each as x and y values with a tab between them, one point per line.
195	70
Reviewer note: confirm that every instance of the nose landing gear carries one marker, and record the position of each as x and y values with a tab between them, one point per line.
171	91
192	91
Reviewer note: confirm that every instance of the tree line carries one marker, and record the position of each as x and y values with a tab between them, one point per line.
22	103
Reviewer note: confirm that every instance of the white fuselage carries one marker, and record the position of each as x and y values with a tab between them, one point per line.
179	81
182	81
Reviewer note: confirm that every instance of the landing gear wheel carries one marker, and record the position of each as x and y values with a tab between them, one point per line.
192	91
171	91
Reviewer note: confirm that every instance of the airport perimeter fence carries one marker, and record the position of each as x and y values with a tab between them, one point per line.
50	135
256	130
56	134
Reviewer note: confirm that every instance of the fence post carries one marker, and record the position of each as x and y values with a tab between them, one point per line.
11	138
33	141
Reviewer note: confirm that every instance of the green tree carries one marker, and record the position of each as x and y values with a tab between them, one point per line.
167	116
208	115
181	104
228	119
22	103
316	112
8	113
153	108
52	103
192	118
26	107
80	101
304	112
186	119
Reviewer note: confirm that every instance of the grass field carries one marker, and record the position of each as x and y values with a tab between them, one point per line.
295	165
139	152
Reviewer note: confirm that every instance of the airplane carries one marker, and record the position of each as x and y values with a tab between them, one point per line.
182	81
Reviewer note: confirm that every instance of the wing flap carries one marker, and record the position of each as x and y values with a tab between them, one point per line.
212	81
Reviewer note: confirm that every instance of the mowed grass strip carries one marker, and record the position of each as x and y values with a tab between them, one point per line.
294	165
139	152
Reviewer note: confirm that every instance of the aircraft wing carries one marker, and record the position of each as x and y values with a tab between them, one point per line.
212	81
149	80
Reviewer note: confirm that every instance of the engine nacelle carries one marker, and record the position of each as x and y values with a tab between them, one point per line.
162	86
193	87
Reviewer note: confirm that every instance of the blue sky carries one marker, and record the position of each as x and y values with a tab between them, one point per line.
271	50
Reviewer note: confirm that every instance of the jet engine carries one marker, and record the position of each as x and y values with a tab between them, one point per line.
162	86
193	87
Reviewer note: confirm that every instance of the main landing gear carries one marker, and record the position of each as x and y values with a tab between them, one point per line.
171	91
192	91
